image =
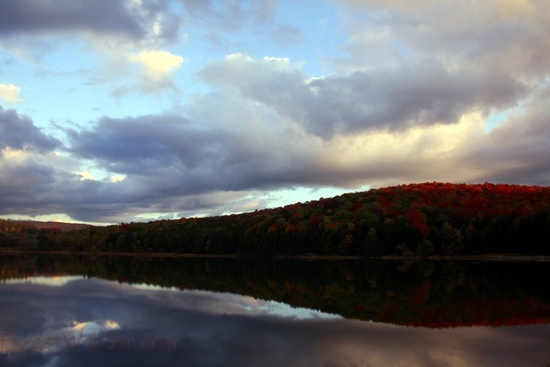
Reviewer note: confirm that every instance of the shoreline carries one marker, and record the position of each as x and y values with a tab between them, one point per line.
308	257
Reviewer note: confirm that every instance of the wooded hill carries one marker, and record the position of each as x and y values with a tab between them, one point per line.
416	219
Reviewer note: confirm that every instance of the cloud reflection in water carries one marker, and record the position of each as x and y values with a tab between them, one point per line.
90	322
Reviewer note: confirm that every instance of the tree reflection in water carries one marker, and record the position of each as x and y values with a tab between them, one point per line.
209	312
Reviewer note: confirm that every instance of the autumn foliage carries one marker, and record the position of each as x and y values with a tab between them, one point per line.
417	219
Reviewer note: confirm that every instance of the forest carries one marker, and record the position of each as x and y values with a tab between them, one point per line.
424	219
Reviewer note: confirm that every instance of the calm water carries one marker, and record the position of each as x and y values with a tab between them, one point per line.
194	312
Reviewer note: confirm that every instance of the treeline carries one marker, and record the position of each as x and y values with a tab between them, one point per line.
26	233
17	234
417	219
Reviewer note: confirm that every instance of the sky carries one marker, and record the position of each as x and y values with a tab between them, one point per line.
138	110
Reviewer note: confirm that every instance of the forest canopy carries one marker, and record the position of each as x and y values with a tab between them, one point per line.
416	219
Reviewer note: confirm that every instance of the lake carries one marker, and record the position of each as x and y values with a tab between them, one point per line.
140	311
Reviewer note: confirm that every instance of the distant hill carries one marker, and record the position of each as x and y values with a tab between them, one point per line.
65	227
27	233
416	219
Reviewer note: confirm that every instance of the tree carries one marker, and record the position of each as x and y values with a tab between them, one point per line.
451	240
371	246
426	248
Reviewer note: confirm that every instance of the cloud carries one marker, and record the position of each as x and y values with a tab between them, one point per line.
156	67
21	175
192	157
230	148
143	23
129	70
504	36
229	15
19	133
130	19
10	93
287	35
32	186
184	165
517	149
169	163
419	95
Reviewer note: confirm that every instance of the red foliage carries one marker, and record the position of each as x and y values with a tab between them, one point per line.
418	220
314	220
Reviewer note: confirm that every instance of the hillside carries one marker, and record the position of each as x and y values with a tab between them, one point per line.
7	225
62	226
423	219
24	233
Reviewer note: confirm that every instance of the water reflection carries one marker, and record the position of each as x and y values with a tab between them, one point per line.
74	321
432	294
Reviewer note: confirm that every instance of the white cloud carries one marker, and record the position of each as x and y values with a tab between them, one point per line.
157	65
10	93
92	327
117	178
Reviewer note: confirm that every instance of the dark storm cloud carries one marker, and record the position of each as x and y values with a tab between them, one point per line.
180	157
32	187
19	132
170	164
143	145
426	94
21	180
38	17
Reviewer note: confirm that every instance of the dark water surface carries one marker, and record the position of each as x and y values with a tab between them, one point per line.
70	311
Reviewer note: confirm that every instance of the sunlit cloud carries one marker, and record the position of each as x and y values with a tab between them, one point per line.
157	65
10	93
117	178
92	327
86	176
109	324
